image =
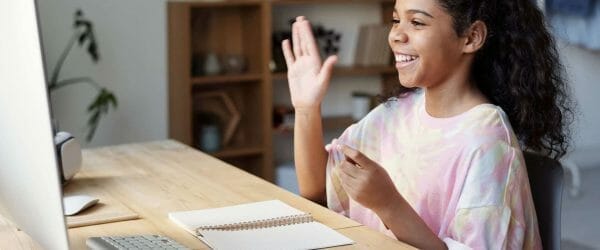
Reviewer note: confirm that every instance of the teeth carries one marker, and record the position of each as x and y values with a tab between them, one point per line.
404	58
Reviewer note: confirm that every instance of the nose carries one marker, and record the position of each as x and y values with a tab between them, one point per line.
397	35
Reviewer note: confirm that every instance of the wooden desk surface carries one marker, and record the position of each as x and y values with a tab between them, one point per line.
155	178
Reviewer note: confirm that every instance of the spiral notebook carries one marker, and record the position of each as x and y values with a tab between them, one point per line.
260	225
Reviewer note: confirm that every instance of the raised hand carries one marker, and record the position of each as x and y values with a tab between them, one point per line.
308	78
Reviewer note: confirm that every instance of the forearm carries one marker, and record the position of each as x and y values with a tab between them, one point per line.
309	154
407	225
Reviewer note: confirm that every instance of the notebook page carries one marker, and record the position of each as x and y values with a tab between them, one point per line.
298	236
191	220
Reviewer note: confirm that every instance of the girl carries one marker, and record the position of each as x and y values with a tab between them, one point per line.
439	164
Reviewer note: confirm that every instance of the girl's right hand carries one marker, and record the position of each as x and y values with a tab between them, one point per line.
308	79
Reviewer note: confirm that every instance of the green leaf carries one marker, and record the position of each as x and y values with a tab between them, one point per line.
99	107
92	125
82	37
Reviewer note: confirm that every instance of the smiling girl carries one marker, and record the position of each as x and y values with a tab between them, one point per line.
439	164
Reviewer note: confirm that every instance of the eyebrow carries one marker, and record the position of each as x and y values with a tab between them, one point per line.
414	11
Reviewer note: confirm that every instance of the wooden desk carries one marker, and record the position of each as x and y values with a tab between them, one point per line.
155	178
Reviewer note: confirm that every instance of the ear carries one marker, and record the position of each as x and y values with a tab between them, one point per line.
475	37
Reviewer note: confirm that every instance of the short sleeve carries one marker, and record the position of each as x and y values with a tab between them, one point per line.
484	228
494	204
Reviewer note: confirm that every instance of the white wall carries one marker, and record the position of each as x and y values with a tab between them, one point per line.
131	37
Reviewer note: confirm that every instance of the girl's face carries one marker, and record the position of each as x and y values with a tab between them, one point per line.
426	47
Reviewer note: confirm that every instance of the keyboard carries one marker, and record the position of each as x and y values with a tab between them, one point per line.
133	242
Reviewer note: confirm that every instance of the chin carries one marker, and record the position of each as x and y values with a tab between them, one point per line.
407	82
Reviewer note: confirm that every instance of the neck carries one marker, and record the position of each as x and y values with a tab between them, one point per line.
452	97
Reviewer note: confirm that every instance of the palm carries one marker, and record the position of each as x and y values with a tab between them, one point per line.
303	75
307	78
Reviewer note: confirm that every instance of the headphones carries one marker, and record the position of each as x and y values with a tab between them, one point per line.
68	153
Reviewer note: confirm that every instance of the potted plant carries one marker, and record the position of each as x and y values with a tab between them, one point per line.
83	35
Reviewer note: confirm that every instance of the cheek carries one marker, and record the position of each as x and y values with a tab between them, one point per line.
438	54
446	60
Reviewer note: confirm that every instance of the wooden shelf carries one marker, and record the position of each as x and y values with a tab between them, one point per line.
337	122
220	79
245	28
211	4
329	123
238	152
350	71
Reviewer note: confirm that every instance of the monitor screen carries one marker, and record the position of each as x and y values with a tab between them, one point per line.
30	191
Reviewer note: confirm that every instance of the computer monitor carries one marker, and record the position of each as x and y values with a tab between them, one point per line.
30	190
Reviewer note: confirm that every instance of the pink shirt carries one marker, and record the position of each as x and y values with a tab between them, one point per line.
465	175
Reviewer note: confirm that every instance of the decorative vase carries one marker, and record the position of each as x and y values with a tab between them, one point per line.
210	138
360	105
211	64
233	64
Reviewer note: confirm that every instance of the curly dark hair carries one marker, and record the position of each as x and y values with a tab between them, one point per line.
518	69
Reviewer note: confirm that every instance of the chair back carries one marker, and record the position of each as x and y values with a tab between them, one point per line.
546	181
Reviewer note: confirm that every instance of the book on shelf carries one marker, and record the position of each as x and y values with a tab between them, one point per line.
261	225
372	47
359	54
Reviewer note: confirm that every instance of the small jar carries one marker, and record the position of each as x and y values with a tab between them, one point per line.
233	64
210	138
212	65
361	104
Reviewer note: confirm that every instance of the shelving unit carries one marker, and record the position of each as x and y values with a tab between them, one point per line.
350	71
237	27
221	79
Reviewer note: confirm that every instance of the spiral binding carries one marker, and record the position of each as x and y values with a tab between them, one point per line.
266	223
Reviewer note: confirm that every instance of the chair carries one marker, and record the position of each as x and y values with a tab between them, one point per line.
546	181
570	165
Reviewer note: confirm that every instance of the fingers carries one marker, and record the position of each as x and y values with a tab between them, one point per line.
347	186
287	53
302	22
350	179
350	170
303	40
296	39
347	180
327	68
356	156
309	44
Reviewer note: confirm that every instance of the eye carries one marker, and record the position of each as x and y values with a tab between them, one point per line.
417	23
395	21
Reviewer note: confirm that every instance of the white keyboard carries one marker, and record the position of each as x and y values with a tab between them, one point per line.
133	242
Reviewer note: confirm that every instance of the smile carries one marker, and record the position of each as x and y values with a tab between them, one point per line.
404	60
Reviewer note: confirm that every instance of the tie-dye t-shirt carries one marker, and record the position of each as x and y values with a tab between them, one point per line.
464	175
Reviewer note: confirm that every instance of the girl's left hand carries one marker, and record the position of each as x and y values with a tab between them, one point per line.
365	181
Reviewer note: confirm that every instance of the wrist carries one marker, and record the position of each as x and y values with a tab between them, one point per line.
398	216
390	206
308	109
